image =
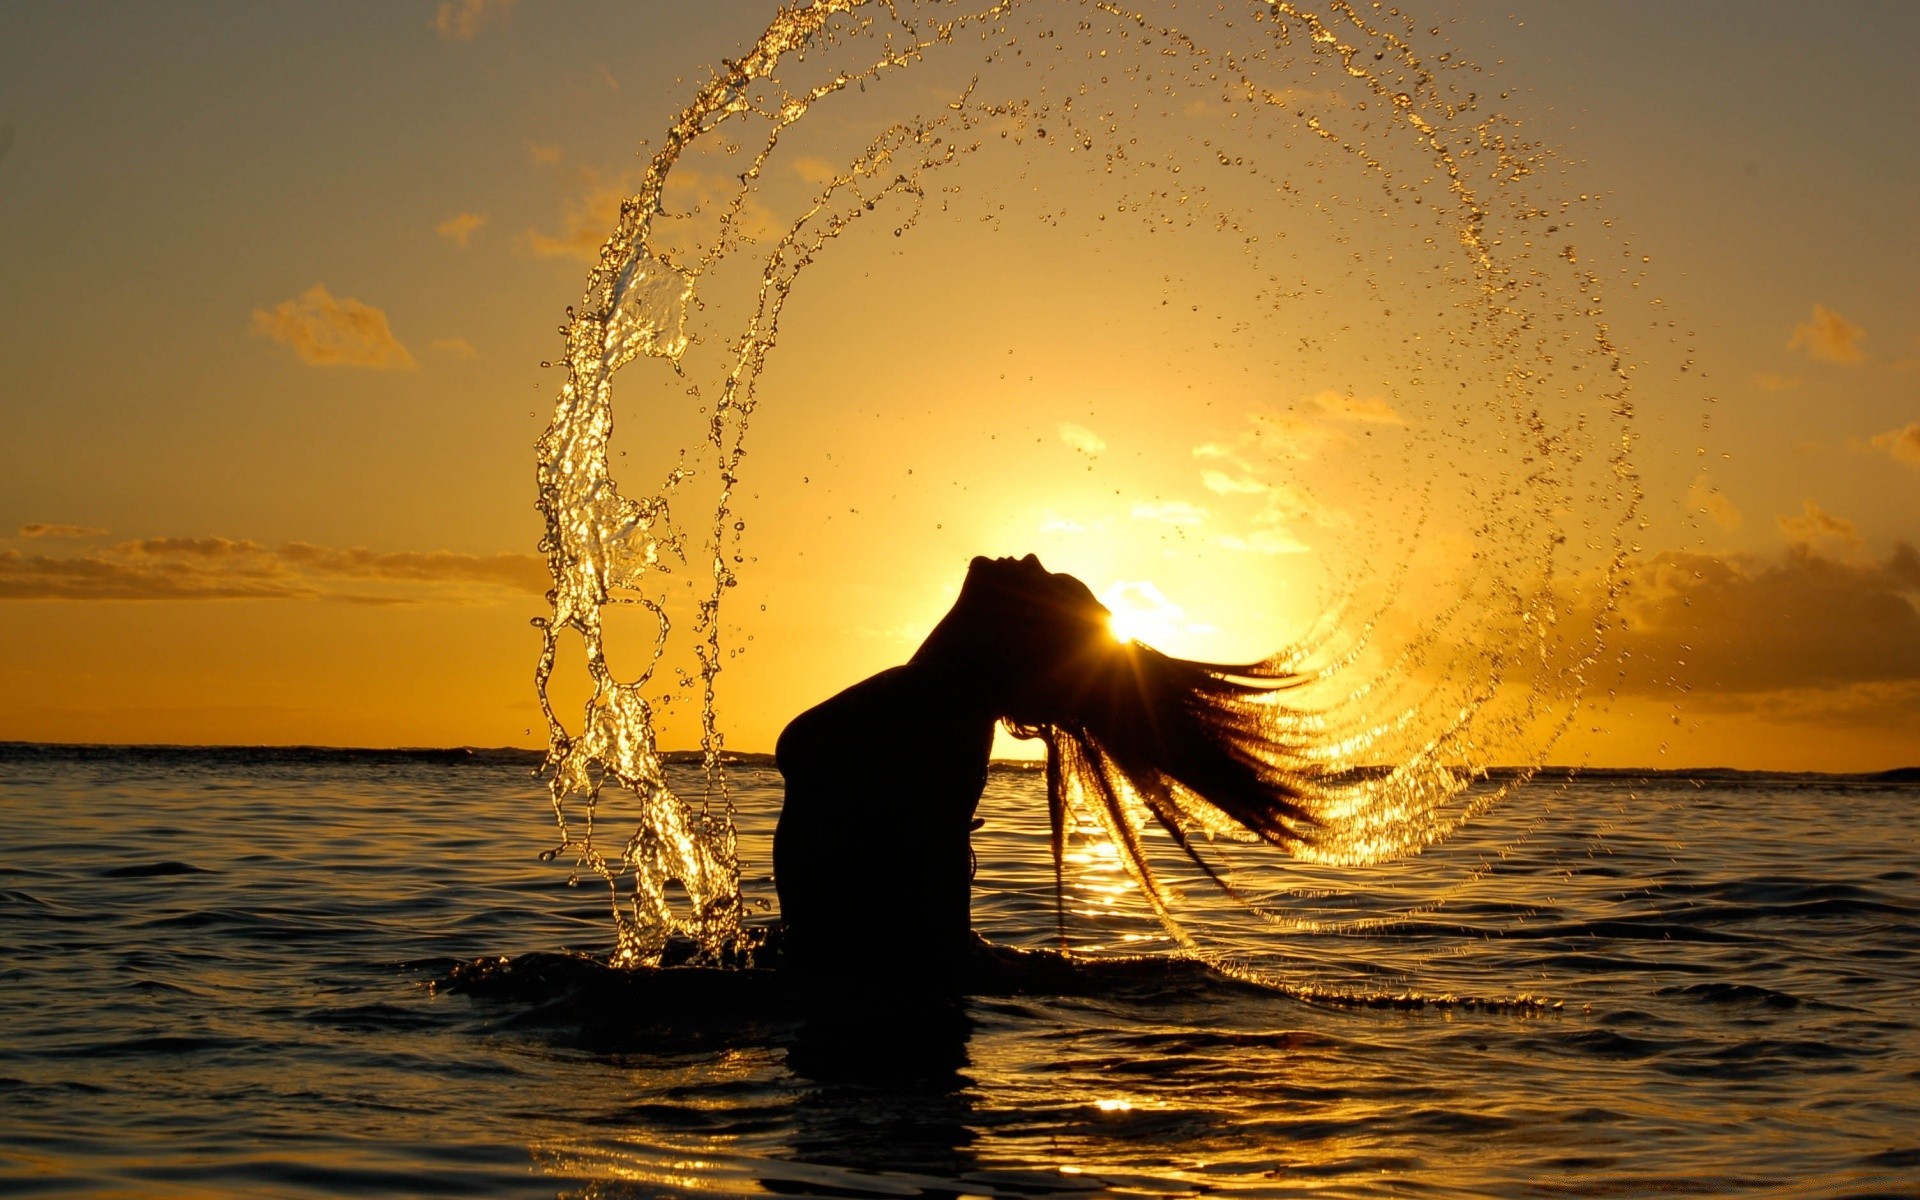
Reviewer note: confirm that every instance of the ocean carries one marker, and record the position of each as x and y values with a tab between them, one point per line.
256	972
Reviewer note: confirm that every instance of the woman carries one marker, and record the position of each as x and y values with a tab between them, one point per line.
871	856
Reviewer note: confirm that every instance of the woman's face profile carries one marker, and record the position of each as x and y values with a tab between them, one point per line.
1023	593
1041	633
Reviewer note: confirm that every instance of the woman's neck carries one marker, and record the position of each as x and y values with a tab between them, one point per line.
965	663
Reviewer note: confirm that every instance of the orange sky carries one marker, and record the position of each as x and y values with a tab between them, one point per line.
279	284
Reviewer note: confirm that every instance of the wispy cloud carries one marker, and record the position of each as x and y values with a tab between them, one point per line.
1169	512
1222	484
1912	361
1829	337
1815	529
1368	410
464	20
217	568
542	154
1270	540
456	346
460	227
1773	381
1140	594
1143	612
1875	705
1085	440
1264	513
1903	444
1303	432
332	332
43	529
1706	498
813	169
1052	522
692	207
587	217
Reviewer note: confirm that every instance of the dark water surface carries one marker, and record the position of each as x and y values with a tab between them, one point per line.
220	978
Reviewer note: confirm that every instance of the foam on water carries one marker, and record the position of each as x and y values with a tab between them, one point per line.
1388	227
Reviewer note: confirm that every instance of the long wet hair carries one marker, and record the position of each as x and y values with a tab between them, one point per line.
1193	743
1201	746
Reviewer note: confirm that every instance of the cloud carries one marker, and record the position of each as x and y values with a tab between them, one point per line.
1142	612
1904	365
458	347
1773	381
1269	526
1816	528
1222	484
692	208
1141	595
1054	522
1303	432
1085	440
1903	444
544	155
216	568
1275	435
42	529
460	228
814	169
1873	705
587	218
1370	410
1739	626
513	572
1169	512
1221	450
464	20
1265	541
1829	337
329	332
1704	497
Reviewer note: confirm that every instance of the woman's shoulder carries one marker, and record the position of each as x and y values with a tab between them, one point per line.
845	713
900	705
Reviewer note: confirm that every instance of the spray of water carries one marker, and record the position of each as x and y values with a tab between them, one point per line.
1397	233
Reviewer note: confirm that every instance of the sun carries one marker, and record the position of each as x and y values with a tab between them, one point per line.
1142	613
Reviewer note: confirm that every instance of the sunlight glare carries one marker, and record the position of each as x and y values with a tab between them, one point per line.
1142	613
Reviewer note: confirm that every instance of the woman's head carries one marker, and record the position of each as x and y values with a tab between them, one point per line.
1122	722
1025	637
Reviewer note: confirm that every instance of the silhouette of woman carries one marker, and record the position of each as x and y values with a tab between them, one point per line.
871	856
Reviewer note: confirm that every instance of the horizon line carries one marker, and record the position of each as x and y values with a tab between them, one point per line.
1895	774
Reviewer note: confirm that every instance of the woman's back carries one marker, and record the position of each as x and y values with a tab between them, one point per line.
871	856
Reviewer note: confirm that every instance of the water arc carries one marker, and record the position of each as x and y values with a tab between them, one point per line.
1444	453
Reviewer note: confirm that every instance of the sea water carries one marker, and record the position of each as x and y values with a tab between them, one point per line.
234	972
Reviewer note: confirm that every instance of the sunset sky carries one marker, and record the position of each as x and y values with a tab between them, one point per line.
276	284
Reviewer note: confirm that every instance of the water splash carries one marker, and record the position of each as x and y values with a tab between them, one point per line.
1342	163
